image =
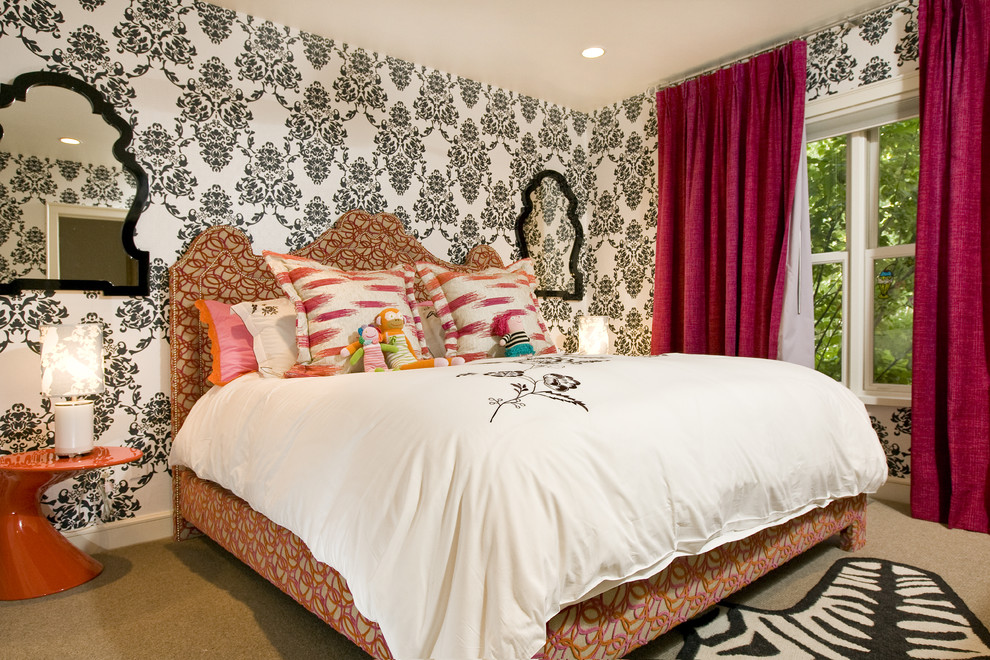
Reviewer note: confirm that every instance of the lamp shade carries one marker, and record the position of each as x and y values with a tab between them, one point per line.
593	335
72	360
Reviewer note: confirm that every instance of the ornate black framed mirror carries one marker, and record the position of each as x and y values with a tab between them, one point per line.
549	221
70	191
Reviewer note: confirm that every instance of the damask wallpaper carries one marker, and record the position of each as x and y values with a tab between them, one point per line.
244	122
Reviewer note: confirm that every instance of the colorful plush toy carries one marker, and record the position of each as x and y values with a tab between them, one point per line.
370	347
392	325
509	327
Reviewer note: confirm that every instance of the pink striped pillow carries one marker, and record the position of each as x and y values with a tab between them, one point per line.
467	302
332	304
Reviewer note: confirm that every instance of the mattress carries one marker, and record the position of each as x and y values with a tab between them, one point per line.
465	506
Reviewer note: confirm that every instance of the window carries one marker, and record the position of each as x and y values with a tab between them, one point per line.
863	185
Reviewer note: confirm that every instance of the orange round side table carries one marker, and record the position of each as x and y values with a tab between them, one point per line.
35	559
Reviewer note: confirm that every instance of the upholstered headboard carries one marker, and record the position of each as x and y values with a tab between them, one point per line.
220	265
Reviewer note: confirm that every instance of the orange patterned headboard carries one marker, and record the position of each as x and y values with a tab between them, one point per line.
219	265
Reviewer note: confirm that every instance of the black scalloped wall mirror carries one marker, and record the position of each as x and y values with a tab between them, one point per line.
70	191
547	226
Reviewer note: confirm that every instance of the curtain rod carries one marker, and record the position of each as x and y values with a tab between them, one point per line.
704	72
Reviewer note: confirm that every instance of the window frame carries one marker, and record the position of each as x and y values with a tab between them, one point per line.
859	114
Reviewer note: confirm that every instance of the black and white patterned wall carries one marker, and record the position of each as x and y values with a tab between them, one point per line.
878	46
893	427
244	122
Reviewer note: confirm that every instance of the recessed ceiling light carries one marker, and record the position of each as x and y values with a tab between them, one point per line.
593	52
68	140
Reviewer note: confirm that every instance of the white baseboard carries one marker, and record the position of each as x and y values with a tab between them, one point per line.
109	536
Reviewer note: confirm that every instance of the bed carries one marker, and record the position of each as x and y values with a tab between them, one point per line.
602	617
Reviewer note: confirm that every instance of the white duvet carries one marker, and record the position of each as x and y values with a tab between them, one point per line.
465	506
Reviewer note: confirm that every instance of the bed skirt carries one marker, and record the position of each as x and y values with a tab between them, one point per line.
609	625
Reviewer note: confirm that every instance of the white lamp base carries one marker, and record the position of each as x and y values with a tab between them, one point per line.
73	427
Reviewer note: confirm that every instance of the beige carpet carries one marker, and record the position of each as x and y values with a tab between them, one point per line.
193	600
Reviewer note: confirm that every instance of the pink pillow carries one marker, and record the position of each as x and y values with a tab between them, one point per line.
231	345
332	304
466	304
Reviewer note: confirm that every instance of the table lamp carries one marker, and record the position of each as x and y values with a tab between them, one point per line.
71	367
593	335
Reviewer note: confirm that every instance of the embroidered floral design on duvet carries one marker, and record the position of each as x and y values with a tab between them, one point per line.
527	383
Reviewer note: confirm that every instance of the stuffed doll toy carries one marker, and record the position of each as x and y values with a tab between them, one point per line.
370	347
509	327
392	325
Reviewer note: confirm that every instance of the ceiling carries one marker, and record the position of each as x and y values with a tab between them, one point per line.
534	47
33	127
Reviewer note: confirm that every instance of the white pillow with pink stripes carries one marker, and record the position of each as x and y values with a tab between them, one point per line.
468	302
331	305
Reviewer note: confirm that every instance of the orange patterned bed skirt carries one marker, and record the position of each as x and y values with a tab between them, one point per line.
607	626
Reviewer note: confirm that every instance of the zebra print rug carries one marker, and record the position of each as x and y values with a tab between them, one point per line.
861	607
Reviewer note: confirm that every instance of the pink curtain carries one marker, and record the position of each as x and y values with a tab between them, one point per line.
950	442
730	144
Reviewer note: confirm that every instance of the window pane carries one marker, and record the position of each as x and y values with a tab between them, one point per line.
893	316
900	162
827	282
827	194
